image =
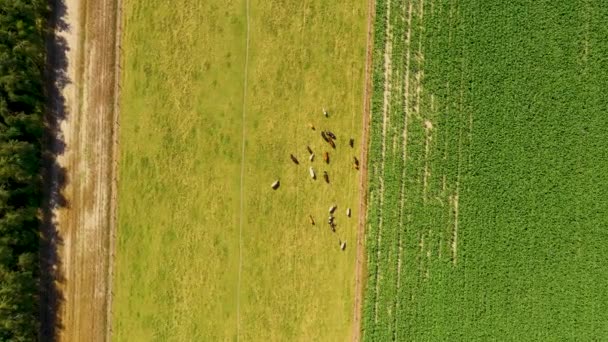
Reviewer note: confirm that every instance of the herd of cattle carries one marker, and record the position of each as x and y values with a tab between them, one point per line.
330	138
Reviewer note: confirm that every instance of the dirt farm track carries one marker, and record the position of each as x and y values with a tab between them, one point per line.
81	180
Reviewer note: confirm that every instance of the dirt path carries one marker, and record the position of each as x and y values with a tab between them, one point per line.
81	212
360	268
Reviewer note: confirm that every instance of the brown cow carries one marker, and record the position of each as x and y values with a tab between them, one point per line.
309	149
312	220
324	136
331	142
356	164
333	227
352	142
326	157
331	135
294	159
326	176
311	126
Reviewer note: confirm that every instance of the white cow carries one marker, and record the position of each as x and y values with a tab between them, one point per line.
276	184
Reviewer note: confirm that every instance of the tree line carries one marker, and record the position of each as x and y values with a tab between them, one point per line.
22	105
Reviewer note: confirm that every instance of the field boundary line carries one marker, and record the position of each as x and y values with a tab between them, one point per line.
114	169
238	287
360	254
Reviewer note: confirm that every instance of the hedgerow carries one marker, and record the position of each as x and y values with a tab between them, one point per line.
22	99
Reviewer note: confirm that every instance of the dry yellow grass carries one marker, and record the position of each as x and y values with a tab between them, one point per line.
180	241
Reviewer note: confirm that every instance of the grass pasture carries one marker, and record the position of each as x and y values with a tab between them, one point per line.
489	139
190	265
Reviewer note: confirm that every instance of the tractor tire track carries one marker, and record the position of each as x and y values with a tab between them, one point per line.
385	119
406	112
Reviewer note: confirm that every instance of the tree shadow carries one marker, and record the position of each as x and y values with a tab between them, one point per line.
54	176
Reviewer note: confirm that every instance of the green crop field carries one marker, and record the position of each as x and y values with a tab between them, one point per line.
488	202
206	250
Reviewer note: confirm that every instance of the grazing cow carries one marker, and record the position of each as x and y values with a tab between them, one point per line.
311	126
333	227
332	209
312	220
312	157
294	159
326	157
324	136
342	245
356	161
331	142
331	135
325	112
326	177
309	149
276	184
312	173
352	142
348	212
330	220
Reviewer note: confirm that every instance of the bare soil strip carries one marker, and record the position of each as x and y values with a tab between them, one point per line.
85	177
420	58
360	261
454	244
458	175
428	128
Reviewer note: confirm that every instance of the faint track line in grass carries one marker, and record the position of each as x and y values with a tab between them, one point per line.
238	288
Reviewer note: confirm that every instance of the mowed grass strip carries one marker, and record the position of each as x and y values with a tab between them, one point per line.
502	213
177	262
